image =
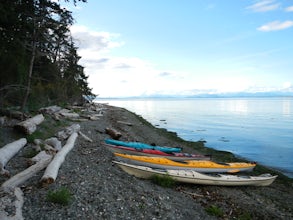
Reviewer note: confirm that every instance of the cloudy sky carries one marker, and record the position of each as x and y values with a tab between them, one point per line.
149	47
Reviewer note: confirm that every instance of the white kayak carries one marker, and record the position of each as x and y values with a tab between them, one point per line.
190	176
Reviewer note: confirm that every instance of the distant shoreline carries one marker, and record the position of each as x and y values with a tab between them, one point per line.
242	95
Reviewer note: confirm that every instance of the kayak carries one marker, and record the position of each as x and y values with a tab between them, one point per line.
155	153
193	177
139	145
204	166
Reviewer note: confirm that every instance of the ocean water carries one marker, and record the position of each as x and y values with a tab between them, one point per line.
258	129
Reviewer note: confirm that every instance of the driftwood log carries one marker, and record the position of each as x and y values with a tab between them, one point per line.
8	151
124	123
42	155
63	135
69	115
26	174
54	142
51	171
50	109
15	207
12	114
113	133
85	137
30	125
40	144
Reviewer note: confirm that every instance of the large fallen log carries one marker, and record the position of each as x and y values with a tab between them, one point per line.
30	125
113	133
26	174
62	135
8	151
51	171
12	114
50	109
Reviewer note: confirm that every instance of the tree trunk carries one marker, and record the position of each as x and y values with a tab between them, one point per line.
30	125
51	172
8	151
30	73
26	174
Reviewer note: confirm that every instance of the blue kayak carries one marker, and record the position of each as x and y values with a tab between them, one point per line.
139	145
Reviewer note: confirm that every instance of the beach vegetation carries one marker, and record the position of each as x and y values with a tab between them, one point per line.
215	211
164	181
61	196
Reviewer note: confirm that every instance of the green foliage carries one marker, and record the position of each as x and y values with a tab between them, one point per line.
29	153
215	211
164	181
47	129
61	196
38	55
36	135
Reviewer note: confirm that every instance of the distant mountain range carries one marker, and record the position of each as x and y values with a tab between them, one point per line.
213	94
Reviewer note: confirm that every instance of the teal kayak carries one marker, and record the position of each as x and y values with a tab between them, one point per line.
139	145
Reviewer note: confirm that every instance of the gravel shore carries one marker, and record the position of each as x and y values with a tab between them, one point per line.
101	190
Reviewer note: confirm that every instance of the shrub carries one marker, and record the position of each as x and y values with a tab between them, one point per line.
215	210
165	181
61	196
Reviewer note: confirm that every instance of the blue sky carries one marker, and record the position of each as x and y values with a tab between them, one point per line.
184	47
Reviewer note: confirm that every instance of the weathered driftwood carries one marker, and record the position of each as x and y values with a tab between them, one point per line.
95	117
8	151
69	115
6	204
85	137
63	110
26	174
2	120
51	171
30	125
12	114
50	109
40	144
62	135
42	155
113	133
124	123
54	142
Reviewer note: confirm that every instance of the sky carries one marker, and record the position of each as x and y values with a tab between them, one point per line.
185	47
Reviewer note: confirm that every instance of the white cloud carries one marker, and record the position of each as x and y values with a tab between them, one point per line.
287	85
289	9
276	26
94	40
264	6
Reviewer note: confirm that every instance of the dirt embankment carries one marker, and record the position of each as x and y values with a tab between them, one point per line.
100	190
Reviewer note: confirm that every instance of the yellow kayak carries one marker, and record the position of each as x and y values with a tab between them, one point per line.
205	166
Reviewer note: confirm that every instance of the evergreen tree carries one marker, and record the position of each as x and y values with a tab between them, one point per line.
38	56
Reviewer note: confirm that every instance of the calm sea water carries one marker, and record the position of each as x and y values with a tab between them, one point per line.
258	129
